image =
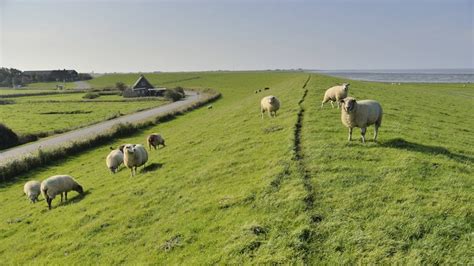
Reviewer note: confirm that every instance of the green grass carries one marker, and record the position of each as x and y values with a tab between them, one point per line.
228	187
407	199
6	91
52	85
39	114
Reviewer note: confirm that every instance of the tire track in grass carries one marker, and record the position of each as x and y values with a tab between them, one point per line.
298	157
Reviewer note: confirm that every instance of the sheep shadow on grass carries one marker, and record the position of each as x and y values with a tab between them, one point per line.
72	200
151	167
399	143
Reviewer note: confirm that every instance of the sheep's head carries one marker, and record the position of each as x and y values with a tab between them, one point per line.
348	104
129	148
271	99
79	189
346	86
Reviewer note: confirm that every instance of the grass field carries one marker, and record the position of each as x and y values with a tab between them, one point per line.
230	188
48	113
9	91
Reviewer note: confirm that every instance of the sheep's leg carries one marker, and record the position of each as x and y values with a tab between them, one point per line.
362	132
261	112
322	103
65	196
270	114
350	134
332	104
61	197
376	133
48	199
338	103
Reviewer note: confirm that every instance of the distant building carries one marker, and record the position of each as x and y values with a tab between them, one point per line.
143	87
52	75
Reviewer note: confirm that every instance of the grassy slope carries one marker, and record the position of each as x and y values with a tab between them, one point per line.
408	198
25	116
223	189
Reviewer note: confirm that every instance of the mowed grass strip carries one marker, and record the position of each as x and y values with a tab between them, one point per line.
406	199
225	189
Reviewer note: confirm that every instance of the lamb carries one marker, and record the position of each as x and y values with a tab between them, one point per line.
155	140
114	159
336	93
361	114
269	104
32	190
59	184
135	155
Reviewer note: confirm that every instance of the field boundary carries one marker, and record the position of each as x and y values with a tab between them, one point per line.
298	157
15	167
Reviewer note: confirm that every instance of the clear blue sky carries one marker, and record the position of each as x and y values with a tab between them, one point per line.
129	36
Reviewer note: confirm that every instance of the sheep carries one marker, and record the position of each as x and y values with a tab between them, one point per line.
209	107
336	93
266	88
155	140
135	155
361	114
32	190
114	159
269	104
59	184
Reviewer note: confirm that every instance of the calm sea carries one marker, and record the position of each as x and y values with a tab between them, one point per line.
423	75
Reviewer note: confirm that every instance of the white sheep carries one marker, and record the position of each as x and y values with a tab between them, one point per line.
59	184
114	159
32	190
269	104
135	155
336	93
361	114
155	140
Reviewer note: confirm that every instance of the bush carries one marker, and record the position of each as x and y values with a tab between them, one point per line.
8	138
173	95
180	90
91	95
120	86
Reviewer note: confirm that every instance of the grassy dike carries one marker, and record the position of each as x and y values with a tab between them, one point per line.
224	189
233	188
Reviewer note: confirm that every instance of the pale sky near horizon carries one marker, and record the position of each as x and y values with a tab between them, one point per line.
132	36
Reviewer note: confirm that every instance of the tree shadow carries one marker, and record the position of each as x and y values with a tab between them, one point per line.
151	167
399	143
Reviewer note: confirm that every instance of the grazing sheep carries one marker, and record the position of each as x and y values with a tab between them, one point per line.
260	90
135	155
59	184
266	88
269	104
155	140
361	114
114	159
32	190
256	92
336	93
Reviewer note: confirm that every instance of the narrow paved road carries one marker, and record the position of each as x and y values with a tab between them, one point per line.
87	132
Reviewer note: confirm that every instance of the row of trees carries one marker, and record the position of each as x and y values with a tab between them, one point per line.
11	77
